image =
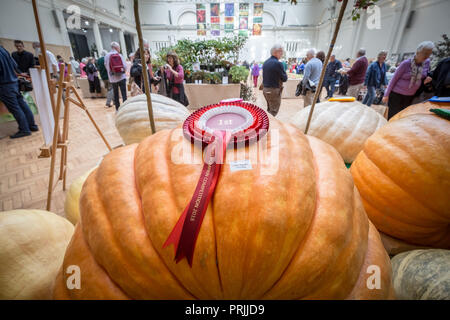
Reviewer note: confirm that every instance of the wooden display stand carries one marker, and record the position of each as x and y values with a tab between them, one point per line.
65	90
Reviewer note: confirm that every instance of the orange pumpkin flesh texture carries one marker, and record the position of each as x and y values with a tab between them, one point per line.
403	176
421	108
300	233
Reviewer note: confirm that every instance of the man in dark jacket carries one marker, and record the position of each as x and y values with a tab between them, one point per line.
24	59
441	78
11	97
273	78
331	76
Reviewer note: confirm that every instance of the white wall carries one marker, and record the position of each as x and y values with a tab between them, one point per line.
17	19
431	20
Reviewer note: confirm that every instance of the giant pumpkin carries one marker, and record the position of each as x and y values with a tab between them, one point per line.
292	227
132	119
403	176
32	247
344	125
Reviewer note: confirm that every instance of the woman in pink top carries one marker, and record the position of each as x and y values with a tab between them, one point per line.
175	76
408	78
82	65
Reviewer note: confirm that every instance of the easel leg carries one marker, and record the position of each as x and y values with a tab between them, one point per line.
65	137
92	119
55	140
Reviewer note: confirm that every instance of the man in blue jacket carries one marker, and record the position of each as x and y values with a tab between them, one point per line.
375	78
331	76
11	97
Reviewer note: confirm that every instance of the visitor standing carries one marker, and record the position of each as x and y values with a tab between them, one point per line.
104	76
441	78
273	78
52	63
375	78
94	81
255	73
408	78
357	74
136	71
82	65
331	75
175	77
75	66
11	97
311	78
116	66
24	59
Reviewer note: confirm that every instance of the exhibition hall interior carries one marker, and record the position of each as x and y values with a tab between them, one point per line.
224	150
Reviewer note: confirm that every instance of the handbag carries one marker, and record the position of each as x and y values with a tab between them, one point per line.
25	85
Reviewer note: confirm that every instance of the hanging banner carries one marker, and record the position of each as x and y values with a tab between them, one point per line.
257	18
243	18
201	19
229	17
215	19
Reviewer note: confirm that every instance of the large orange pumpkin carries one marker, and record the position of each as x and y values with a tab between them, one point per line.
403	176
299	232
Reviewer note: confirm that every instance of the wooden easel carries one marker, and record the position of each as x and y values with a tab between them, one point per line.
60	139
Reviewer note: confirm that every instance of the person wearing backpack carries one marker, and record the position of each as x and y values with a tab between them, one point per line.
116	66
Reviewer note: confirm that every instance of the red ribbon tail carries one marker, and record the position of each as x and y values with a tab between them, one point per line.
184	234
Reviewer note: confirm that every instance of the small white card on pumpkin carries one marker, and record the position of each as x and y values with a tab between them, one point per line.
240	165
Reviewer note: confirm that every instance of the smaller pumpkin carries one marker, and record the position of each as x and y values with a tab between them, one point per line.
32	247
421	108
71	205
132	120
422	275
344	125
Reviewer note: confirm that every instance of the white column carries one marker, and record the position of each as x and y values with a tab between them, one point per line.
408	5
97	37
123	46
63	29
136	41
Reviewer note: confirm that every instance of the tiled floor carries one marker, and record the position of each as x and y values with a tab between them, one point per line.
24	177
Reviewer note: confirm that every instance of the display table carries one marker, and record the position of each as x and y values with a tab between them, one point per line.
290	87
201	95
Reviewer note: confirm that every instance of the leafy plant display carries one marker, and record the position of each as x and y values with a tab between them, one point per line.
442	50
212	53
238	74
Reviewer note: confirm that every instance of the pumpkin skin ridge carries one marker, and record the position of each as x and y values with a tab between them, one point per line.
427	233
252	219
354	132
61	289
436	216
379	171
308	231
122	264
146	228
313	288
154	165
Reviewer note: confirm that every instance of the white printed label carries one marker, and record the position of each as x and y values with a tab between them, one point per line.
240	165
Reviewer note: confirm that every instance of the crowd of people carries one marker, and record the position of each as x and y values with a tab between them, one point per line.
397	86
111	68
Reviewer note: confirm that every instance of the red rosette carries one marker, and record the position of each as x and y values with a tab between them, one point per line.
252	133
